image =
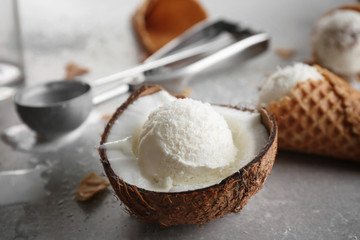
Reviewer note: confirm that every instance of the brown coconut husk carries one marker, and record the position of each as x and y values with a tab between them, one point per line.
157	22
197	206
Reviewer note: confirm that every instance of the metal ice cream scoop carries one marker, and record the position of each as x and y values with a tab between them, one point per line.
55	108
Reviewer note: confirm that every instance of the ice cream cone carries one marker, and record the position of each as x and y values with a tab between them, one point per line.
335	41
157	22
320	117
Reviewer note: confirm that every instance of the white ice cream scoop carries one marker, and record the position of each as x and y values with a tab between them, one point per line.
336	41
161	143
280	83
183	142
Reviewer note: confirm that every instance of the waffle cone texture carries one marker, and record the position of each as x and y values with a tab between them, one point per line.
320	117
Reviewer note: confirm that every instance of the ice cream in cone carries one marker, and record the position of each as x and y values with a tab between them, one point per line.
157	22
336	40
316	111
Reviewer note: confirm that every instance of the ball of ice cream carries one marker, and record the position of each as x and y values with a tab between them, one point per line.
280	83
337	41
184	141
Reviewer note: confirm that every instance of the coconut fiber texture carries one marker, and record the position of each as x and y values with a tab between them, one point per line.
320	117
197	206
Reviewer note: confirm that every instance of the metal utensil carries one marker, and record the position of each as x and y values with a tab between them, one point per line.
205	43
226	39
58	107
55	108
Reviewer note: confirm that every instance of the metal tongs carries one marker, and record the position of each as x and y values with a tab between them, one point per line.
202	46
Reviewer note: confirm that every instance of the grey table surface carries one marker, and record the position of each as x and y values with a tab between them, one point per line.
305	197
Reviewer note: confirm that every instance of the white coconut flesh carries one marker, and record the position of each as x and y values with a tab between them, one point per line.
187	150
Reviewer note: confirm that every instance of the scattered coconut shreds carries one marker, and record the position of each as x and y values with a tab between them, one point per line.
311	62
90	185
354	78
285	53
106	117
267	74
186	92
73	70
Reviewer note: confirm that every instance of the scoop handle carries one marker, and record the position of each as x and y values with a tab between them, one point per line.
126	76
109	94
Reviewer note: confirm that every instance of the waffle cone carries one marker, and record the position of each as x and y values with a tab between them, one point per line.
320	117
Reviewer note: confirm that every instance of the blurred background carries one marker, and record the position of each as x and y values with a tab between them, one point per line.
93	33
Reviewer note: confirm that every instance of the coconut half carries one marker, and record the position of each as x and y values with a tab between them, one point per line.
190	205
156	22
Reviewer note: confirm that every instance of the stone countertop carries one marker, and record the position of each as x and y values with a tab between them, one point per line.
305	197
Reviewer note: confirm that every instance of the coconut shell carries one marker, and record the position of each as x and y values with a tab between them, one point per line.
157	22
196	206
